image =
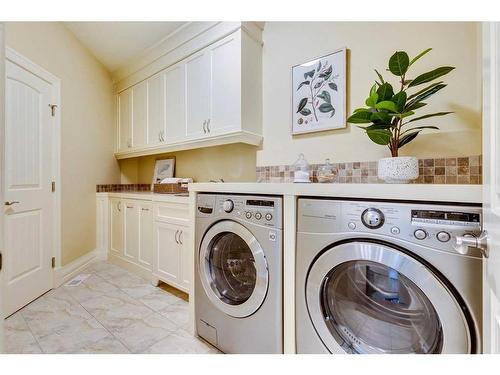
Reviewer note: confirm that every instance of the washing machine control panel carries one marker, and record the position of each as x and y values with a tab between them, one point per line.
432	225
266	211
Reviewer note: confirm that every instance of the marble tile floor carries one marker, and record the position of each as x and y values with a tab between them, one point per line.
111	312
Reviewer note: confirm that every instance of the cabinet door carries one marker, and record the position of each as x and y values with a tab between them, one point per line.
139	114
225	110
175	103
167	252
197	94
116	227
124	119
131	246
156	109
145	235
187	259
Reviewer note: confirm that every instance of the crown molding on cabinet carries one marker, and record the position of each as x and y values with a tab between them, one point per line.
217	140
185	41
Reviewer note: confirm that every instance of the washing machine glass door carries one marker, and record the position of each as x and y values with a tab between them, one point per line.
233	269
368	298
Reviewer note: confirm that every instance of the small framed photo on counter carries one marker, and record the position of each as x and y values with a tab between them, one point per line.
164	168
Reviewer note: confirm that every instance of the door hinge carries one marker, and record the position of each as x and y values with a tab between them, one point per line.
53	262
53	109
53	186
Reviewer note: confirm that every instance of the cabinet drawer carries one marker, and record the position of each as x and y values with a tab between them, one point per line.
177	213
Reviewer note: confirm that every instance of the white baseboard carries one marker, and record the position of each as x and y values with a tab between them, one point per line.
67	272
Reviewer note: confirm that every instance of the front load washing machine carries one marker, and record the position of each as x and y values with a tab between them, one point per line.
238	278
384	277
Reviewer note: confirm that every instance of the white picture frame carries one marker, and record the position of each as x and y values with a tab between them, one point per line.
164	168
319	93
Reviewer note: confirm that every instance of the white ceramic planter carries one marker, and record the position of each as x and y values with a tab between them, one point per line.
399	170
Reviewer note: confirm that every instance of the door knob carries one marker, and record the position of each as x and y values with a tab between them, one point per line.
11	203
462	243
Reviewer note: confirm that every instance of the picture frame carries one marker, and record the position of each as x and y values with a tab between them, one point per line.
319	98
164	168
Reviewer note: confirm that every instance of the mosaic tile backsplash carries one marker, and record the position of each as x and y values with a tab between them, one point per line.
459	170
110	188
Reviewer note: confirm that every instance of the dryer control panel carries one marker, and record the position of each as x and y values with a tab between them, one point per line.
433	225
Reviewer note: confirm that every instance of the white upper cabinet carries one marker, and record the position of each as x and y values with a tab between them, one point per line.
225	95
197	94
175	103
156	109
124	120
139	114
210	98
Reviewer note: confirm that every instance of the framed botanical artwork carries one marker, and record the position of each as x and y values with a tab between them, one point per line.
164	168
319	94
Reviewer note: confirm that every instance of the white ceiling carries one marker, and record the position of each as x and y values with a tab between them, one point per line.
116	43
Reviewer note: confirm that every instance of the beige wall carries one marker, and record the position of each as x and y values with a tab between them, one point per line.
232	163
370	46
87	131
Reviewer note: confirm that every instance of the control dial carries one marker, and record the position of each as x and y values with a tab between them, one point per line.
228	205
372	218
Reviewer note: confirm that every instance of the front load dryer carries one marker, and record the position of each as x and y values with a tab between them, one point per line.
238	278
384	277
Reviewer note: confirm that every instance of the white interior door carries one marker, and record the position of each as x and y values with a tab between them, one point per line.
2	128
491	186
29	202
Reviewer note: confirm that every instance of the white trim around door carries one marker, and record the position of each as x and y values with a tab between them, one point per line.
13	57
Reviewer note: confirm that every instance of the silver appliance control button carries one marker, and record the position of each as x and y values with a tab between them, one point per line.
443	236
372	218
228	205
420	234
269	217
258	215
248	215
352	225
395	230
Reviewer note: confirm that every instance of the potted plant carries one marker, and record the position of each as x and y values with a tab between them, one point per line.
391	116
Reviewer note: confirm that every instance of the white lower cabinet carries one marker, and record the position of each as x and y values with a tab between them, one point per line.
116	227
172	261
146	237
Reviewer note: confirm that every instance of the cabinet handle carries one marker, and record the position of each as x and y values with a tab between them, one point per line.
180	240
159	136
119	206
130	206
208	125
162	137
175	236
204	126
145	209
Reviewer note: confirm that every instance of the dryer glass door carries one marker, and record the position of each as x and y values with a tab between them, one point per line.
233	269
366	297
